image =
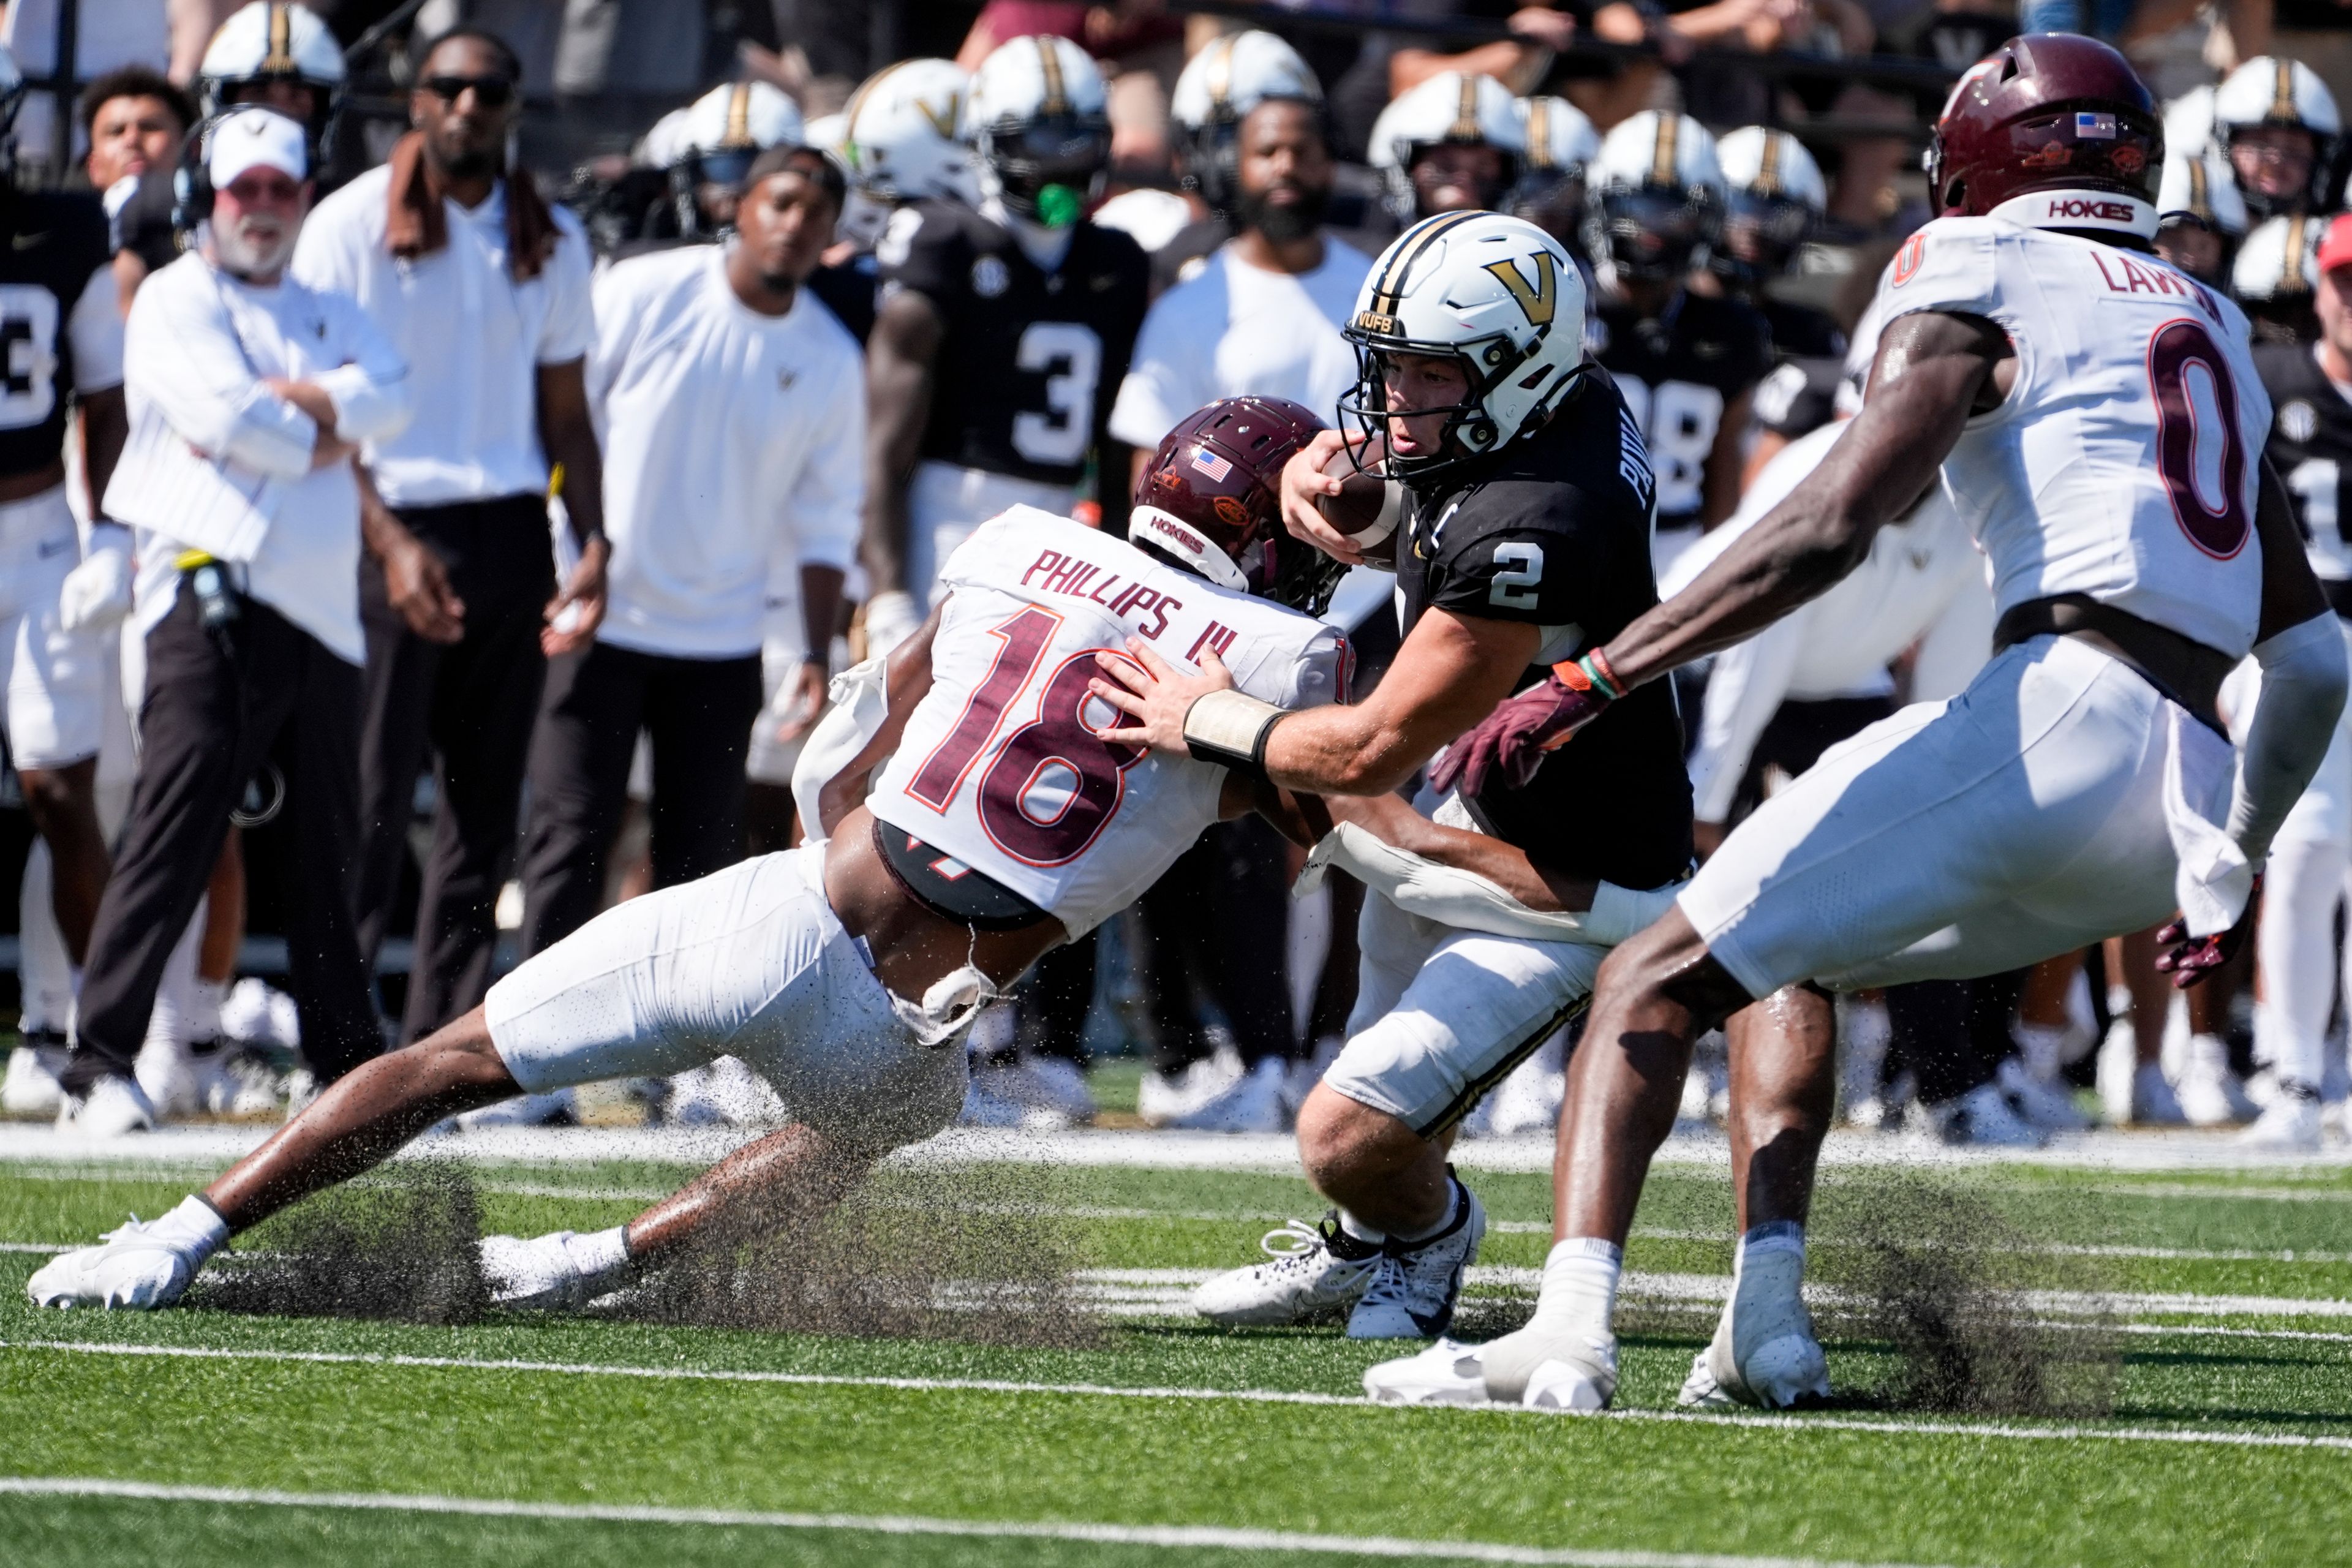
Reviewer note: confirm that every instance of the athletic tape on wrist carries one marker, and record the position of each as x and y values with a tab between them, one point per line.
1229	728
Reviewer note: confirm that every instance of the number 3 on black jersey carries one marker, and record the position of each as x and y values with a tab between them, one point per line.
1070	354
1519	575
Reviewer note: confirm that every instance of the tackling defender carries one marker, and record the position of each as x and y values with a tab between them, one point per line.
1002	825
2099	423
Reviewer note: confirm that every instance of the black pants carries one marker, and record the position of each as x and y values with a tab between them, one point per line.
698	712
471	703
217	709
1218	926
1952	1034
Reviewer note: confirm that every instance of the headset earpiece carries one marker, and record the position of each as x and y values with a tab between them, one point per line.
192	184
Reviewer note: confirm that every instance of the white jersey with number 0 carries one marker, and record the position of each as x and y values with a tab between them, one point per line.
2122	465
1001	766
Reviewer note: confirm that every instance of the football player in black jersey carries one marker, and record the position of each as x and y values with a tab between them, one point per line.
1688	364
60	351
1774	195
1525	499
1004	332
2311	421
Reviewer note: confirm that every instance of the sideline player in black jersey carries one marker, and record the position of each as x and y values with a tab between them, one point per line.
2311	420
60	349
1688	364
1526	502
1004	332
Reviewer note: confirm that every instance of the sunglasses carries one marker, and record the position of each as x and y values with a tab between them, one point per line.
490	91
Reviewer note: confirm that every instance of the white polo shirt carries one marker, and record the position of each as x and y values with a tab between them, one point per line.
218	462
473	337
729	437
1234	329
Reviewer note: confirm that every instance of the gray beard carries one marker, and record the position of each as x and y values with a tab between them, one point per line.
240	258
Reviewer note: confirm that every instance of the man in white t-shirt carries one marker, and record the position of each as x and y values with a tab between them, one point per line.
731	408
1262	317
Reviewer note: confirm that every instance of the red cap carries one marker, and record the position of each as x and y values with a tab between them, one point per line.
2336	244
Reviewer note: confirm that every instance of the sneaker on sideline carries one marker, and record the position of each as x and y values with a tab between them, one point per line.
114	1106
31	1087
1161	1098
2153	1103
2290	1124
2208	1092
1984	1118
1252	1103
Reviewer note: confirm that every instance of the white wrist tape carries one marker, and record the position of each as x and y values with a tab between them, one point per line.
1467	901
1230	727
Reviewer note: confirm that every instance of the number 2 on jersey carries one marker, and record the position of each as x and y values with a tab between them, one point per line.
2198	447
1054	783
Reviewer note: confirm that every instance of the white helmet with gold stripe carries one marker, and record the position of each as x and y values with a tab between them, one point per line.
1773	196
1450	108
1221	84
2199	190
1653	198
1038	121
2279	263
273	40
2272	90
900	133
1496	294
729	126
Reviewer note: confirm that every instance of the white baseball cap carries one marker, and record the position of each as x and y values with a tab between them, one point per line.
255	138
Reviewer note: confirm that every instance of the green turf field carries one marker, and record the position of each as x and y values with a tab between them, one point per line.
2202	1318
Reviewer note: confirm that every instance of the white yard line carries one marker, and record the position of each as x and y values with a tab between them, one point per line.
1120	1148
1179	1537
1807	1423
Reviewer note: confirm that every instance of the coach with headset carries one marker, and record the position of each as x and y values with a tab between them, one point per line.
249	393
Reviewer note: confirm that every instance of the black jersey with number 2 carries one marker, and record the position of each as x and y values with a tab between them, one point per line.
1031	359
57	241
1554	530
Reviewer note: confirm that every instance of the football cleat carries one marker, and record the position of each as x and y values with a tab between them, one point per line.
1764	1353
2208	1092
31	1087
1447	1372
2290	1124
1318	1272
1983	1117
561	1271
113	1107
140	1265
1414	1286
1545	1367
2153	1103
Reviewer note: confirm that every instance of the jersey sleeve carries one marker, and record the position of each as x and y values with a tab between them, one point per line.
929	255
1950	264
570	326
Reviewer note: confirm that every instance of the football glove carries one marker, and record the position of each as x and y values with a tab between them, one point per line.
1509	744
2192	960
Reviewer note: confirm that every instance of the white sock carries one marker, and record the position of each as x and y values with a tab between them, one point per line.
196	1225
1453	1208
1350	1226
203	1008
598	1254
1579	1287
1773	1236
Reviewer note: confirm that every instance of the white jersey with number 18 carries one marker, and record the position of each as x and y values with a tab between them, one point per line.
1003	766
2124	463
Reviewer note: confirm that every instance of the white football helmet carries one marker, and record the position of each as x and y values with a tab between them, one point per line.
899	135
1037	119
729	126
1773	196
2279	263
1653	198
2196	189
1452	108
1561	143
272	40
1230	76
2270	90
1498	295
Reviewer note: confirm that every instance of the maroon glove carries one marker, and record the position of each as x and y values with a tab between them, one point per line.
1510	743
2192	960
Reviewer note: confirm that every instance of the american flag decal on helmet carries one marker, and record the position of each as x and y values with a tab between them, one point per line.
2102	126
1209	463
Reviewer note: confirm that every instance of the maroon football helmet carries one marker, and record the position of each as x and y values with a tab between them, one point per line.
1211	501
2051	131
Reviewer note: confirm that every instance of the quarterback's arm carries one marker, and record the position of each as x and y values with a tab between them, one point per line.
1450	673
1932	372
899	357
909	679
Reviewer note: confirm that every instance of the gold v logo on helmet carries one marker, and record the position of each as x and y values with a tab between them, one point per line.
1542	301
944	123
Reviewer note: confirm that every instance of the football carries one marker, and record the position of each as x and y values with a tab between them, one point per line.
1361	510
